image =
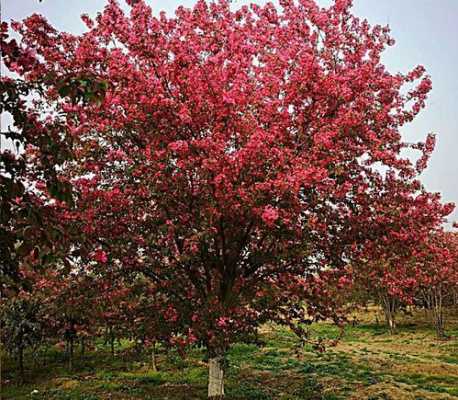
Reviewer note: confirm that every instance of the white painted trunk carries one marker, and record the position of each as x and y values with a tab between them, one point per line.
215	378
392	324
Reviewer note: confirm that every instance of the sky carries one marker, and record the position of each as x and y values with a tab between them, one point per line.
425	31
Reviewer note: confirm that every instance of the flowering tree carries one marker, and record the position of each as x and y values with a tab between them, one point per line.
21	326
235	155
388	269
151	321
68	303
33	150
437	275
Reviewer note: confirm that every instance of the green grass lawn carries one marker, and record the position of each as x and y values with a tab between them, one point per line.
367	363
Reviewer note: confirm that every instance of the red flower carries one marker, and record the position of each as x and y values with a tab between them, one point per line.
100	256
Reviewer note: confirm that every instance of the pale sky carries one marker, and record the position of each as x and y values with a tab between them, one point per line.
426	33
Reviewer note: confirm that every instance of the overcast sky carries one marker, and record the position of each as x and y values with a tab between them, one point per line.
426	33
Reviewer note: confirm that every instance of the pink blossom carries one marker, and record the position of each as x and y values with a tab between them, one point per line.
178	146
270	215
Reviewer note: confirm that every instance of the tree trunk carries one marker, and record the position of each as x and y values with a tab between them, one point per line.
438	313
70	354
153	356
433	299
83	346
21	364
392	324
215	378
45	355
112	341
389	309
439	325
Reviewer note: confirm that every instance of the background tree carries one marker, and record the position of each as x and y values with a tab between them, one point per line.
21	326
437	276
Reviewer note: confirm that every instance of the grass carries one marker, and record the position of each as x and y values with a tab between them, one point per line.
367	363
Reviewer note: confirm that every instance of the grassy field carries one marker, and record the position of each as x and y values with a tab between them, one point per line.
367	363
